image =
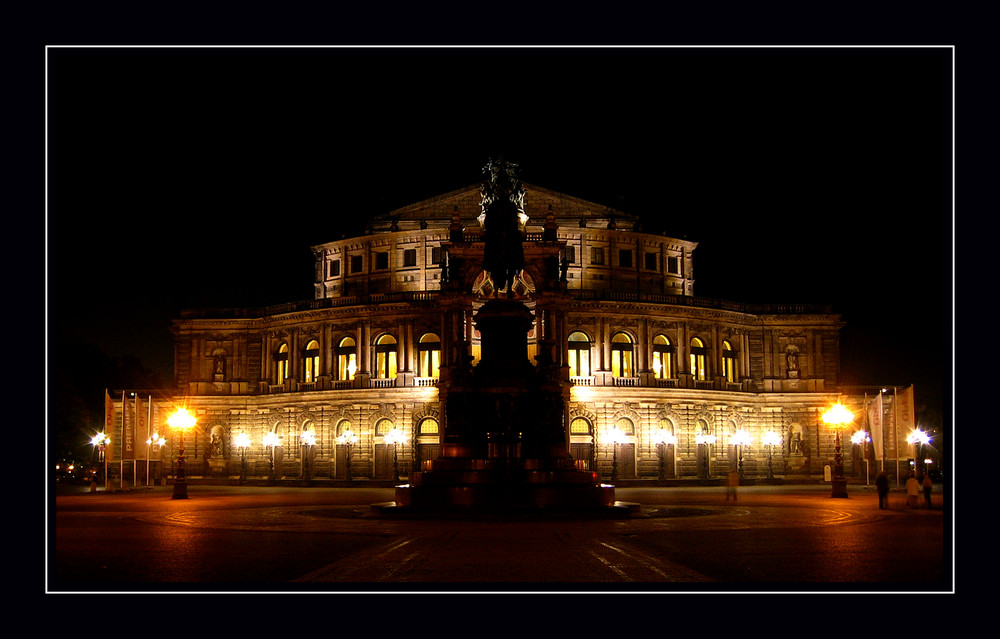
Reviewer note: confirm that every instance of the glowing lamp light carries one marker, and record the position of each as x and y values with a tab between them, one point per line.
918	437
771	438
742	438
616	436
242	440
347	437
395	436
860	437
100	439
181	420
662	436
308	438
351	368
837	416
271	439
704	438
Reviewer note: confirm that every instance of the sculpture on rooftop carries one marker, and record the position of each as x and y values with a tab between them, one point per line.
503	208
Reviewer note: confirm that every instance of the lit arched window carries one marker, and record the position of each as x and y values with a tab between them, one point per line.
385	357
383	426
429	356
428	426
728	362
663	357
579	426
281	364
626	426
579	355
347	359
622	354
311	362
698	359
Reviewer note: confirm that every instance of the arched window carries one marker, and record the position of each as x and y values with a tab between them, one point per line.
385	357
281	364
698	359
347	359
310	364
579	355
428	426
429	356
622	355
580	426
728	362
383	426
344	426
626	426
663	357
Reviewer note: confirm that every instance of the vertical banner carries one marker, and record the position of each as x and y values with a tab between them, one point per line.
905	415
109	422
138	429
876	427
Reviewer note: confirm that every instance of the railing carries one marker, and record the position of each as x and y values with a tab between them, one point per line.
383	383
343	384
425	381
626	381
666	383
581	380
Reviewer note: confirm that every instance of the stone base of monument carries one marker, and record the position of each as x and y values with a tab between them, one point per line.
457	485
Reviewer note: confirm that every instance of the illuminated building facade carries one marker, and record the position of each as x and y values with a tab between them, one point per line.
663	383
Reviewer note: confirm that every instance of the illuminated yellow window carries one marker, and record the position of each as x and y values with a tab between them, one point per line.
728	362
663	357
579	426
385	357
622	352
281	364
429	356
579	355
347	359
428	426
311	362
698	359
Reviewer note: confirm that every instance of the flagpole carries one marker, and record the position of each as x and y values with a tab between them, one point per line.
149	419
895	430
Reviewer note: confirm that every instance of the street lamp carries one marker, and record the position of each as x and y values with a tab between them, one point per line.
348	439
308	440
395	436
741	439
707	440
617	437
271	440
181	421
771	439
101	441
918	439
663	438
157	441
861	438
242	442
837	417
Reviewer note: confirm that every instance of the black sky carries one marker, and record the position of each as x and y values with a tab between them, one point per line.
182	178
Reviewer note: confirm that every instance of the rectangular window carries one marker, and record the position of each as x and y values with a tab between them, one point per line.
381	261
597	255
625	258
673	265
436	255
333	268
570	254
650	261
410	257
357	263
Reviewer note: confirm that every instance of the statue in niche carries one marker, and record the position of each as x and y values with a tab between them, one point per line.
792	361
795	442
503	206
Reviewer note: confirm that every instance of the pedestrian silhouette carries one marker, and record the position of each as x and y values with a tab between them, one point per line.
912	491
928	487
731	483
882	488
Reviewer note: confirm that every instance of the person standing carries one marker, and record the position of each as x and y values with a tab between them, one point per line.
928	487
732	481
912	491
882	488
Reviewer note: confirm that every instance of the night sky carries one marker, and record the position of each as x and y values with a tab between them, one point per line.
187	178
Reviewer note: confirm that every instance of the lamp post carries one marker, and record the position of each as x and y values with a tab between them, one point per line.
617	437
180	421
157	441
918	439
741	439
100	440
308	440
837	417
395	436
348	439
271	440
860	438
242	442
662	438
707	440
771	439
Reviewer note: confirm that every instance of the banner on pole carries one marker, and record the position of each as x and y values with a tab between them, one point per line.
876	427
109	422
905	419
